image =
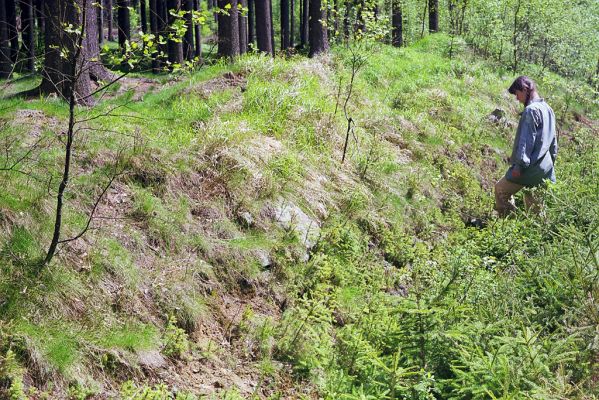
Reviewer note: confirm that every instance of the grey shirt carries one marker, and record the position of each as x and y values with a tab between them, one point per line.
535	146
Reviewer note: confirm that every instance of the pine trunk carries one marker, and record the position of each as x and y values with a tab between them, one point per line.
5	63
124	22
93	64
318	33
28	45
228	29
397	24
433	16
100	22
175	47
263	26
292	24
154	28
13	34
109	19
188	48
304	28
198	31
143	15
251	22
284	24
243	29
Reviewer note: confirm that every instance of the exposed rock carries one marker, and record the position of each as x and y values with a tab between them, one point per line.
289	216
151	359
246	219
263	258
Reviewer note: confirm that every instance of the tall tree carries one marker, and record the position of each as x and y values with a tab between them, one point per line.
397	24
13	33
28	43
228	29
304	17
109	17
264	26
91	54
143	16
154	28
174	45
292	24
433	16
188	48
124	22
285	24
243	28
5	63
251	22
198	31
100	22
318	32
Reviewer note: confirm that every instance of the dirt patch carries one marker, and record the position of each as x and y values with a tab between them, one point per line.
226	81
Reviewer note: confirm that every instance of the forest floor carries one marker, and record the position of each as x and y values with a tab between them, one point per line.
235	256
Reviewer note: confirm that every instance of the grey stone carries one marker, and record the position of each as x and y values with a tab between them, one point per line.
289	216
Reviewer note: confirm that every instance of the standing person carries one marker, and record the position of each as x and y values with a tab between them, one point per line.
534	151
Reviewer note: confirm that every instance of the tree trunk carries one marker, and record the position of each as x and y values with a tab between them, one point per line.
318	33
5	63
67	76
100	22
243	29
28	45
174	45
188	48
154	28
292	24
13	34
433	16
143	15
264	26
251	22
228	29
109	19
96	69
272	29
198	31
284	24
346	23
304	23
397	24
124	22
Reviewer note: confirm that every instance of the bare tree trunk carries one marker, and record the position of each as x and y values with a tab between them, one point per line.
243	29
124	22
5	63
188	48
304	23
228	30
433	16
143	15
27	25
100	22
13	34
175	47
397	24
292	23
318	33
272	28
251	22
109	19
154	18
198	31
94	65
264	26
284	24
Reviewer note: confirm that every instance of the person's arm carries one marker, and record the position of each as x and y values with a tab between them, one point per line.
553	149
525	144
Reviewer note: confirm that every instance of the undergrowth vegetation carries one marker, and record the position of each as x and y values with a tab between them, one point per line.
195	259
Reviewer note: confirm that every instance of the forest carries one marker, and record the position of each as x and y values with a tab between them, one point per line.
294	199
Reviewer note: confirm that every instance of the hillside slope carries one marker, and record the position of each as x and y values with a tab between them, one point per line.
236	256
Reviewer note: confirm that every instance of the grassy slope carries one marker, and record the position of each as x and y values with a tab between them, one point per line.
397	293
